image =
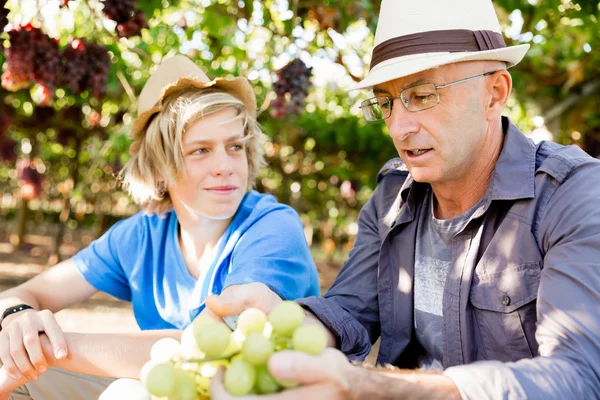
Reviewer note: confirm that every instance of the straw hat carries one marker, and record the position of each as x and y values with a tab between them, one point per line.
177	73
414	36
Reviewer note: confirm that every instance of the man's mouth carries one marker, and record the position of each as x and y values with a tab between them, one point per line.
417	152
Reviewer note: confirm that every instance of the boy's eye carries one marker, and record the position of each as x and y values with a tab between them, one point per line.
200	151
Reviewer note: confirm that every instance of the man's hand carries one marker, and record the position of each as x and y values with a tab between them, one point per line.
326	376
21	350
235	299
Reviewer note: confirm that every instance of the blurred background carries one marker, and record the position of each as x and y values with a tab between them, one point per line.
72	71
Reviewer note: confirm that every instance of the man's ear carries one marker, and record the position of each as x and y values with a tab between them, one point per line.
499	86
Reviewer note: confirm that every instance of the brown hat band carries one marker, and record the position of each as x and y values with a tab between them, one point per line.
452	40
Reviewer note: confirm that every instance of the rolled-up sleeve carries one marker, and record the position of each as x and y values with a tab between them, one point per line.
350	307
568	306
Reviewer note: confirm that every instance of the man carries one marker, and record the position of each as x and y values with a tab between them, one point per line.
477	258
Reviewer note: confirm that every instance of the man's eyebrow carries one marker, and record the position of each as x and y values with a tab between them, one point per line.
379	91
417	81
414	82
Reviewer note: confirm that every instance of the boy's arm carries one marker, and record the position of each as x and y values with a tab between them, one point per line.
119	355
116	355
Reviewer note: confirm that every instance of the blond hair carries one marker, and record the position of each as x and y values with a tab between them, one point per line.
157	151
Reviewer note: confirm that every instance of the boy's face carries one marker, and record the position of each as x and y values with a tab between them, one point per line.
216	176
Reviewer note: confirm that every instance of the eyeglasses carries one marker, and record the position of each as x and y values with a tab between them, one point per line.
415	98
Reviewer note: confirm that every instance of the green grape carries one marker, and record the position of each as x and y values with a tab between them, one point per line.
235	343
203	320
185	386
251	320
310	339
286	317
282	343
165	349
286	383
158	378
212	339
240	378
257	349
265	383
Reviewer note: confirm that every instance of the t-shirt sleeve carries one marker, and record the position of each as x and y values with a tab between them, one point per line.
101	263
274	251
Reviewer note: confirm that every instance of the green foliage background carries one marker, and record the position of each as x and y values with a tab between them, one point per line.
323	162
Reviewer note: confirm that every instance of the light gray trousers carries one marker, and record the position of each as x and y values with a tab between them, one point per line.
59	384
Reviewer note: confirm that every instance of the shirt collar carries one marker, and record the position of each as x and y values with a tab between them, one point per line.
514	175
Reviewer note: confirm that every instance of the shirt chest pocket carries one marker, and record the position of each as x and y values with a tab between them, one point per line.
504	311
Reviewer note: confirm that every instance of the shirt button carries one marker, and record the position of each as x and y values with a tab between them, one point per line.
505	300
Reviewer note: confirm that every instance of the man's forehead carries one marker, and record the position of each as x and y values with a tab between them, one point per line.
428	76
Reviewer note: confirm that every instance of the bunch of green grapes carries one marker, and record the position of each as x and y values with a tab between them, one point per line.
182	371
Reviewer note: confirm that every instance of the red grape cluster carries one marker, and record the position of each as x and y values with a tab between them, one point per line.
98	62
293	81
29	178
20	58
47	65
130	21
134	26
35	57
3	15
32	56
74	64
85	66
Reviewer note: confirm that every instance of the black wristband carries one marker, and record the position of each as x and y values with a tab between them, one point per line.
13	310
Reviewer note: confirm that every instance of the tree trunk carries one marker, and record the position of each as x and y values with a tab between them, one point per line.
22	223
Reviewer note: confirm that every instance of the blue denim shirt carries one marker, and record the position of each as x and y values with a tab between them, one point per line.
521	306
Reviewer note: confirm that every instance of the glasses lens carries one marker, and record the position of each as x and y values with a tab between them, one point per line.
421	97
377	108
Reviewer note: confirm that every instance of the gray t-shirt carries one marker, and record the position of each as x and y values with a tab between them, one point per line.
433	257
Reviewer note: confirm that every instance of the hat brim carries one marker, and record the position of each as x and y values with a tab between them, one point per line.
400	67
238	87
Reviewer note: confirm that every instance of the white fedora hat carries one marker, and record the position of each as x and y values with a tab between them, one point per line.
414	36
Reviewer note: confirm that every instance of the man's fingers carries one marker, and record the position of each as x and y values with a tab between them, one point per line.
235	299
55	334
19	353
217	389
229	302
305	368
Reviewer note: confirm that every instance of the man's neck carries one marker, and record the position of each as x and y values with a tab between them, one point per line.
453	198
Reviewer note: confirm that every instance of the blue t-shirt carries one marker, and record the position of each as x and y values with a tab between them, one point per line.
139	260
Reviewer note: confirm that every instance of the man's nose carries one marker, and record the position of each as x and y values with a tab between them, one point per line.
402	122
